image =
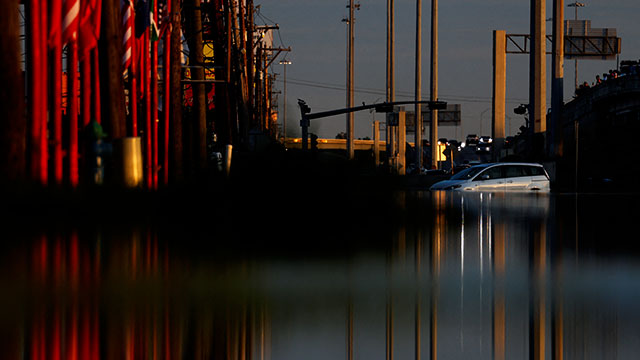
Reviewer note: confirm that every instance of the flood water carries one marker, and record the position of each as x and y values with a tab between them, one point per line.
479	276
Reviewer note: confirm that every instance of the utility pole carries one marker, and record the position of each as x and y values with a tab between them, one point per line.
418	91
284	64
576	5
434	82
250	68
391	94
537	67
350	118
557	85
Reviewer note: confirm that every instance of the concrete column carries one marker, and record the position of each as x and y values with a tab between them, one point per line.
499	91
538	67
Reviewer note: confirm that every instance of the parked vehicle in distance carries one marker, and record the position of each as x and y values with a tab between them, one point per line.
525	177
472	139
483	147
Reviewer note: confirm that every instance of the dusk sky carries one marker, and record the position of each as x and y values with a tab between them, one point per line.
317	37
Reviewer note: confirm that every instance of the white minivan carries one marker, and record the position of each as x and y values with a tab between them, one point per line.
498	177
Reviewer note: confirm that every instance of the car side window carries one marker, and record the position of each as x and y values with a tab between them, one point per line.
515	171
535	171
490	174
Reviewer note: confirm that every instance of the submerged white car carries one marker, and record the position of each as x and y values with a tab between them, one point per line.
498	177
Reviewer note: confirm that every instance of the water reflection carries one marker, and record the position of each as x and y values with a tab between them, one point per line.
483	276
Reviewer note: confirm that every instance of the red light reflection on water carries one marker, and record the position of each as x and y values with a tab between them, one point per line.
65	322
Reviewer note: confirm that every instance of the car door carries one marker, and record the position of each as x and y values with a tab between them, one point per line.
516	178
491	179
538	179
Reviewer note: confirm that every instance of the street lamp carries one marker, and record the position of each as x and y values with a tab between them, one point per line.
284	64
576	5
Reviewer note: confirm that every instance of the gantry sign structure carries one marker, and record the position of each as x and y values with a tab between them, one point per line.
580	41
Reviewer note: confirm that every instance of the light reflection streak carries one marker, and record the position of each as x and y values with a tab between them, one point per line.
481	247
462	273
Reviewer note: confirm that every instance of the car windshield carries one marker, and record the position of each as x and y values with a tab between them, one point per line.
467	174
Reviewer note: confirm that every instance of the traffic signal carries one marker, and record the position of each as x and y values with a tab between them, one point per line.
437	105
384	108
304	108
314	141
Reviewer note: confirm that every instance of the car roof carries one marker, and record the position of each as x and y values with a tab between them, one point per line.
509	163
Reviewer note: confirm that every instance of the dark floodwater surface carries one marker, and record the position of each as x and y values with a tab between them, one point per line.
480	276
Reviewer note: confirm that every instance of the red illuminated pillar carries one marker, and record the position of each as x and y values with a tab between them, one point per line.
56	109
154	102
43	142
72	103
85	89
34	71
147	105
165	101
96	84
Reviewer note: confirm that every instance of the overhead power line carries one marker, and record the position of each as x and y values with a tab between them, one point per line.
402	94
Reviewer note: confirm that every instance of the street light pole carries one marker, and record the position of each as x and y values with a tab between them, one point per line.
418	92
350	85
434	83
284	64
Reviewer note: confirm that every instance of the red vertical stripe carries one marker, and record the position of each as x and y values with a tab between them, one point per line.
72	347
55	38
44	140
34	72
85	333
165	101
95	338
85	90
35	349
72	103
154	103
147	97
56	338
133	98
56	111
96	85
